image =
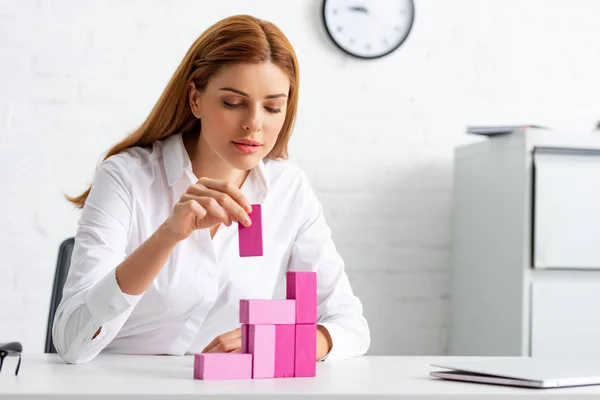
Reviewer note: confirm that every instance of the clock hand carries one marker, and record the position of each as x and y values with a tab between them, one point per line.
359	9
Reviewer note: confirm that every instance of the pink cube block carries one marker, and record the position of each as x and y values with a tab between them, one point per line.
305	363
285	336
267	311
250	238
302	287
244	329
261	344
221	366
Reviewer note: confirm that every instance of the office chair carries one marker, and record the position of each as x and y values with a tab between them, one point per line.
60	276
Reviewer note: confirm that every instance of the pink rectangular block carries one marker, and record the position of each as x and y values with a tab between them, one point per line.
285	336
267	311
261	344
244	329
305	363
221	366
250	238
302	287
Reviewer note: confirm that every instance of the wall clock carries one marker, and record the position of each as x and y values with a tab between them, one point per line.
368	28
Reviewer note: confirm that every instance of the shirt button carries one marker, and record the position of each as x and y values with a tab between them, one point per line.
111	309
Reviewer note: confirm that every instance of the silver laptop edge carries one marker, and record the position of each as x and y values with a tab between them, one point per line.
465	377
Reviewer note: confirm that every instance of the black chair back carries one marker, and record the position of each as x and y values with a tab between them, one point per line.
60	276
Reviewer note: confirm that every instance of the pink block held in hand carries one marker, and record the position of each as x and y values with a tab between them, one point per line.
250	238
221	366
302	287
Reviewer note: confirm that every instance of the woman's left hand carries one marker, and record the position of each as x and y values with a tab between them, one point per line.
230	342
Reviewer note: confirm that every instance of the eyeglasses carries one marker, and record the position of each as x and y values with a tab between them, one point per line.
12	349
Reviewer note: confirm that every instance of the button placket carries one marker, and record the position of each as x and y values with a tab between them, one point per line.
208	284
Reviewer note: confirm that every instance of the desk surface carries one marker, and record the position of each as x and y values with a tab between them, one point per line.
123	376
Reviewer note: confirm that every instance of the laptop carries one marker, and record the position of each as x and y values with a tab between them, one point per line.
525	372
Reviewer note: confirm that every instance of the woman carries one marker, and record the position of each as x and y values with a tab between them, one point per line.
156	268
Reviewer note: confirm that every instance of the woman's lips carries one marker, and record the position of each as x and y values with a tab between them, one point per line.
247	146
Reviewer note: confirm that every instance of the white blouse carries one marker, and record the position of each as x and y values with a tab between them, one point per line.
195	297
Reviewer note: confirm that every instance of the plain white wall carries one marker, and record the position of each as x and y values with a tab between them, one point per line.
375	137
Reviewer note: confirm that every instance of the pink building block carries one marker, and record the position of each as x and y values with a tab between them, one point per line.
302	287
244	328
305	363
284	350
250	238
221	366
261	344
267	311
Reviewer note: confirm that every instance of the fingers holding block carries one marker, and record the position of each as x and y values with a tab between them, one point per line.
222	366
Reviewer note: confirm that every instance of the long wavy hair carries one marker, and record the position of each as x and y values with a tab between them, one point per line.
233	40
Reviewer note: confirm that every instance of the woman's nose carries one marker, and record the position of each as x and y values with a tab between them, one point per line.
253	123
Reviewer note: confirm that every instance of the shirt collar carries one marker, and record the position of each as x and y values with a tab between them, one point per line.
256	186
175	158
177	163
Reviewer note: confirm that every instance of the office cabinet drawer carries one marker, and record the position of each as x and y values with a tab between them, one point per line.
565	319
566	209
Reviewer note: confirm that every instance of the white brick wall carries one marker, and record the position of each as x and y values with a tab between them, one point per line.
376	137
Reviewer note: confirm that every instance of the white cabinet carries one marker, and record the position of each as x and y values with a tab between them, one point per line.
565	319
566	209
526	254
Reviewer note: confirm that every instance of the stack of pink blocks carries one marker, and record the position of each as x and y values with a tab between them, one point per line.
279	337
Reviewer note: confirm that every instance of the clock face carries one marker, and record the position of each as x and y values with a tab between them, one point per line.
368	28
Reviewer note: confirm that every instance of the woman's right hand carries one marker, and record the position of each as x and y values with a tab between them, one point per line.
207	203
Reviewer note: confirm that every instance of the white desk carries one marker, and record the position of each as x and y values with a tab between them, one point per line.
125	377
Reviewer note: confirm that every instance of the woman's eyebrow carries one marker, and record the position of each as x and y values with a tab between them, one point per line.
271	96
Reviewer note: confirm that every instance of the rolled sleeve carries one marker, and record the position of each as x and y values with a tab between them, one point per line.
338	309
106	301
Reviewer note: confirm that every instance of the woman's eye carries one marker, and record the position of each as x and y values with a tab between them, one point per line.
231	105
273	110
